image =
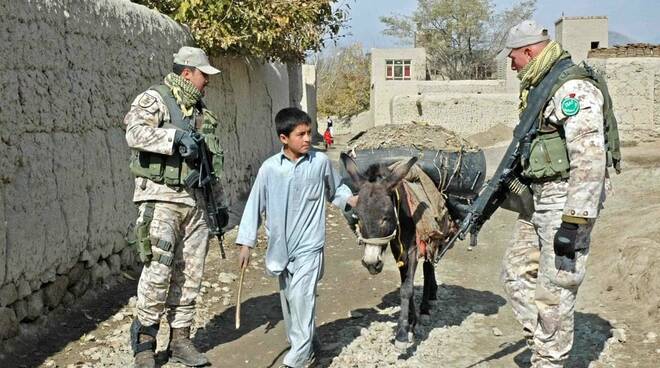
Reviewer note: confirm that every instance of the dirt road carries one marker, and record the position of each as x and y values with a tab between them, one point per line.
617	315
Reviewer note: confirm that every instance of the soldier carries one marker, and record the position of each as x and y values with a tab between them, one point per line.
163	130
566	169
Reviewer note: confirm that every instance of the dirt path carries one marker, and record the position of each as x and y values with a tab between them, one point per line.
472	325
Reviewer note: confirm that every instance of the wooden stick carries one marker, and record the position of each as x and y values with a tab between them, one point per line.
238	301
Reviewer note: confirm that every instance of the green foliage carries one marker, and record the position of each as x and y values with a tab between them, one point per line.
275	29
343	82
461	37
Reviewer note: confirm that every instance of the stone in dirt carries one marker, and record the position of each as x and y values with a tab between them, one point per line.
497	332
227	277
620	334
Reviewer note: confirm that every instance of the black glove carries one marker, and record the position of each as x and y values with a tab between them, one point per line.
187	145
564	243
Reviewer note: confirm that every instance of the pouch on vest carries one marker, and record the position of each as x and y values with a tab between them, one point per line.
548	158
209	126
147	165
143	222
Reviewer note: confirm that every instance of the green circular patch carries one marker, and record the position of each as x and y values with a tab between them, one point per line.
570	106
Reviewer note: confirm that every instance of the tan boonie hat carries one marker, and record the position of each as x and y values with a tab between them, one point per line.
193	56
527	32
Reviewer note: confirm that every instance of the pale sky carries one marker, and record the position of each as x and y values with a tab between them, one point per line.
637	19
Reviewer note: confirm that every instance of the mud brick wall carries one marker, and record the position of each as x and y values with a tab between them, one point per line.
70	70
634	83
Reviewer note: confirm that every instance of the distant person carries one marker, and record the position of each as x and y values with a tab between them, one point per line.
327	138
330	123
565	167
171	228
289	192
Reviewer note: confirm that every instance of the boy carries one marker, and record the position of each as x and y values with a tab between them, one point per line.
289	190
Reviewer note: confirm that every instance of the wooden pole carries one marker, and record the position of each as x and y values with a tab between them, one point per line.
238	299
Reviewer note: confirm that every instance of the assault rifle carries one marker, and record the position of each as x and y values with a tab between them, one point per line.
505	180
204	177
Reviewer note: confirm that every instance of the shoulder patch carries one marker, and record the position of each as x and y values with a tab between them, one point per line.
570	106
146	100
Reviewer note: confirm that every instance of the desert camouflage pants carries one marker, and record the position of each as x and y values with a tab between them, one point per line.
174	287
542	287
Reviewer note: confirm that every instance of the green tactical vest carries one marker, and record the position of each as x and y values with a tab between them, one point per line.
171	170
548	155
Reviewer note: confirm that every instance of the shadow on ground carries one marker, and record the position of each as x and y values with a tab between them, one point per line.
591	333
264	309
462	302
66	324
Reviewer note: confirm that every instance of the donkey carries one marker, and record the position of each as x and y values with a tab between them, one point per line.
381	221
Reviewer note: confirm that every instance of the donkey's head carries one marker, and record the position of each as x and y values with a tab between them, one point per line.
377	215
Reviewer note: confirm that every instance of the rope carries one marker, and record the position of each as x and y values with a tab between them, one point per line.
399	262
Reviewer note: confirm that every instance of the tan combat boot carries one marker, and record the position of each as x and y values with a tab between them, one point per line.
182	350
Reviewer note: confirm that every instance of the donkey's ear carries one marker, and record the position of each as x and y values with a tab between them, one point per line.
399	172
352	169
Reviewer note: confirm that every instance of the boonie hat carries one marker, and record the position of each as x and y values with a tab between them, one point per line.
527	32
193	56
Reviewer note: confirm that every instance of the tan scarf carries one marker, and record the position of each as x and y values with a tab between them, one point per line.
186	94
537	68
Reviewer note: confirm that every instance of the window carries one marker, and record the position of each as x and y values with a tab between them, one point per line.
397	70
594	44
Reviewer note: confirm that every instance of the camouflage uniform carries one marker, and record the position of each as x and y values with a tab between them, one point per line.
178	218
542	287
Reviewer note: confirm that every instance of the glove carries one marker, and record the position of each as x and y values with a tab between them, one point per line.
188	147
564	243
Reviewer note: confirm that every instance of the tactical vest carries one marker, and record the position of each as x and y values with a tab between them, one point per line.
172	170
547	158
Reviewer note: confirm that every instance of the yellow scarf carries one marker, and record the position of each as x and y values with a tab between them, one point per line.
537	68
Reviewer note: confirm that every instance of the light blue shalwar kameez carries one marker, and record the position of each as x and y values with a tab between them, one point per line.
291	196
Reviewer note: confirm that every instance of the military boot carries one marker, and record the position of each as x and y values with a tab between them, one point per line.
143	342
182	350
145	358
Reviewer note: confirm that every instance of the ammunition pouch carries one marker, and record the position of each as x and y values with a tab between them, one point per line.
161	169
138	329
547	158
167	257
142	238
209	125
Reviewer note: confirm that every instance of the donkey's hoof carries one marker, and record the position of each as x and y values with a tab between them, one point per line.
401	345
425	319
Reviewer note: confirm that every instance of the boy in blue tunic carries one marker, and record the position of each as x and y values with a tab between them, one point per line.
289	190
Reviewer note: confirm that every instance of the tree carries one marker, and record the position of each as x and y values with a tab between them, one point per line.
275	29
461	37
343	82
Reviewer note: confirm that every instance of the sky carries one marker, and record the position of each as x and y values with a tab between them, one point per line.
637	19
